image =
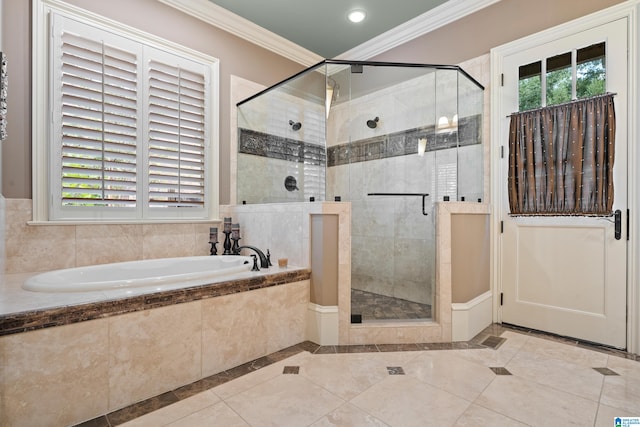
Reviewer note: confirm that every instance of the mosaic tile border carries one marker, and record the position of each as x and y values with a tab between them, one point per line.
380	147
137	410
406	142
277	147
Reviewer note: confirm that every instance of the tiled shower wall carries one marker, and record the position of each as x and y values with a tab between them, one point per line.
393	241
269	150
283	228
271	160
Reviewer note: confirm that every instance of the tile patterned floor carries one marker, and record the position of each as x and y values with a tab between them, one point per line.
529	379
380	307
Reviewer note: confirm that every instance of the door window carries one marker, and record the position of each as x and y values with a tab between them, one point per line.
577	74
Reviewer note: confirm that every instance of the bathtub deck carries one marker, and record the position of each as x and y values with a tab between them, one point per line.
22	311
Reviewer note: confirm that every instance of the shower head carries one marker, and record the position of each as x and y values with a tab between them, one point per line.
295	125
373	123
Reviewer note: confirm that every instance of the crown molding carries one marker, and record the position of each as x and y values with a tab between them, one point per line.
429	21
228	21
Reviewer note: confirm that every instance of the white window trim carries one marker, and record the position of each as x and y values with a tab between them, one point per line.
41	116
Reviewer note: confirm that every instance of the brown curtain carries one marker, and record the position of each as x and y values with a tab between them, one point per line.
561	159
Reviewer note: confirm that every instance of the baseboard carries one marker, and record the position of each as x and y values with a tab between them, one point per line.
322	324
468	319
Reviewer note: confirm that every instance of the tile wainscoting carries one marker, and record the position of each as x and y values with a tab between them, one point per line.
111	362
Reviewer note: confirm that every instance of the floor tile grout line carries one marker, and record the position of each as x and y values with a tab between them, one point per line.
236	412
559	389
604	377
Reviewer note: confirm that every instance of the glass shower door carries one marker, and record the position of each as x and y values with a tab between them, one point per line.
393	234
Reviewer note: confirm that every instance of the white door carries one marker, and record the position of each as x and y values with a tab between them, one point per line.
567	275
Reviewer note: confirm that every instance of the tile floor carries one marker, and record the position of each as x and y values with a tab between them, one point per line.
523	379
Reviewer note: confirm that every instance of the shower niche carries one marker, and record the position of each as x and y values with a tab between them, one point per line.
391	138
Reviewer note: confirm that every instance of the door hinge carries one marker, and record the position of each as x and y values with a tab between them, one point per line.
502	79
501	298
501	227
502	151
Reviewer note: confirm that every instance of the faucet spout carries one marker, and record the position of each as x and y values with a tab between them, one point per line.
264	262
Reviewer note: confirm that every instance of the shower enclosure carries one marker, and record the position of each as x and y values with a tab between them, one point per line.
391	138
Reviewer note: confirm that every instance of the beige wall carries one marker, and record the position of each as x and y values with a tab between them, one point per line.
502	22
469	256
464	39
237	57
324	242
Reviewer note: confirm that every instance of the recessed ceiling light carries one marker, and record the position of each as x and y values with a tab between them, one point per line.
357	15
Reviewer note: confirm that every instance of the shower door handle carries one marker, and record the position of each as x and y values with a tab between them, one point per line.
424	198
423	195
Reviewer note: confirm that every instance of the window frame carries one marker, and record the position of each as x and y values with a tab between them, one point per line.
574	63
43	117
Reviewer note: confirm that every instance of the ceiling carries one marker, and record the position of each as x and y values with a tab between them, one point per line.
322	27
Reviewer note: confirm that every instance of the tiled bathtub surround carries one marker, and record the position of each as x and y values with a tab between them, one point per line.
32	248
109	354
23	311
228	330
140	348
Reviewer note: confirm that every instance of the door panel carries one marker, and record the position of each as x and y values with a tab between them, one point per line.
567	275
544	251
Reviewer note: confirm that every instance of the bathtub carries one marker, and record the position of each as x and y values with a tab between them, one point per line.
158	274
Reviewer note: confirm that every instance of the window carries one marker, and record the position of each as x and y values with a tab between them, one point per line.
558	79
530	86
132	134
571	75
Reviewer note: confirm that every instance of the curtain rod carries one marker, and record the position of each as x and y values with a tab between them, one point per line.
564	103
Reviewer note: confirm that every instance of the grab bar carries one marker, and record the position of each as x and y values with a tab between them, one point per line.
423	195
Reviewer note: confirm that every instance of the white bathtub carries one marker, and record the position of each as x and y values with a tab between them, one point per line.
152	273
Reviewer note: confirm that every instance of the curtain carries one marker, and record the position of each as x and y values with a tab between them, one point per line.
561	159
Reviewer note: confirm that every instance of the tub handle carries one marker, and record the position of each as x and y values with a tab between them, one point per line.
255	262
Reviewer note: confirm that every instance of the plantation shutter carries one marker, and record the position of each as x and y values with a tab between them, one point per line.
99	124
176	136
131	126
